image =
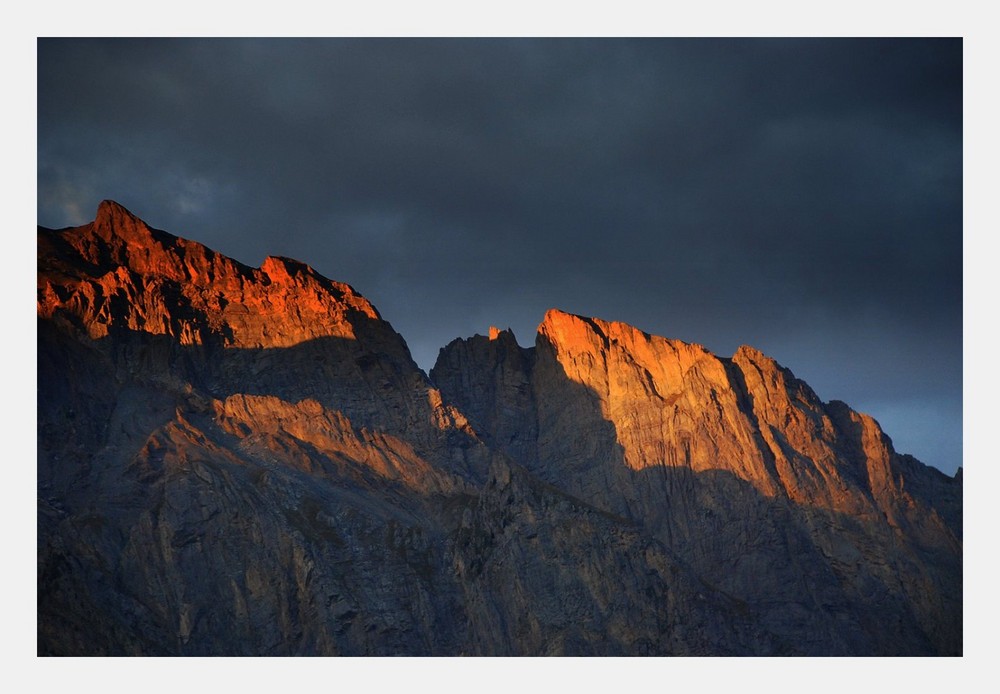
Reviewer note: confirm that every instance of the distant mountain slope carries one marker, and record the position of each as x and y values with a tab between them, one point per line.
247	461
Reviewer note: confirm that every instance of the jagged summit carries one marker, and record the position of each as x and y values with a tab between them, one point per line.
119	272
112	217
247	461
556	319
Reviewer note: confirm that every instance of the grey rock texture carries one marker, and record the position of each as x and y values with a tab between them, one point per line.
491	376
246	461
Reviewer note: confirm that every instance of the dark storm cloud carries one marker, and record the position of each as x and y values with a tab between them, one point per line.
803	196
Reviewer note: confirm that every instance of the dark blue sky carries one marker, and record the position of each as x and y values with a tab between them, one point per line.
802	196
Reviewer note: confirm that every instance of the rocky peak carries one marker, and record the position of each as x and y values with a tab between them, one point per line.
488	379
118	271
114	220
684	443
117	238
607	397
283	330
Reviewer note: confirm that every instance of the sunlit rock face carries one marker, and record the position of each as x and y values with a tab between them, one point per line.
247	461
118	272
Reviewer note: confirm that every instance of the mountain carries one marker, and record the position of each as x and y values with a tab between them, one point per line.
247	461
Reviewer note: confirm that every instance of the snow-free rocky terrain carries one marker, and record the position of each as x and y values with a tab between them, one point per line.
247	461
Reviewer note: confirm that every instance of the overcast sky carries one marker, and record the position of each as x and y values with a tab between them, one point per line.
800	196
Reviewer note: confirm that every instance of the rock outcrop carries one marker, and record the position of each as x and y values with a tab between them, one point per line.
247	461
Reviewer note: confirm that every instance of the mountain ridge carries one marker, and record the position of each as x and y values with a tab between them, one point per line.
179	388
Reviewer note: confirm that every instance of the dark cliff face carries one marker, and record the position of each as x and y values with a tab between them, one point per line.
246	461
